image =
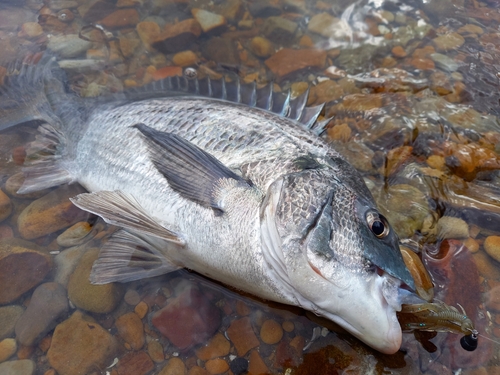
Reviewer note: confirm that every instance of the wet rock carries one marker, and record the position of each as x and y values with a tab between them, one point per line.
147	31
120	18
11	18
5	206
261	47
218	346
175	366
197	370
398	51
22	266
492	247
95	298
241	334
288	326
51	213
68	46
141	309
324	24
86	343
287	61
264	8
132	297
448	42
155	351
486	267
222	51
131	330
178	37
452	227
340	132
196	318
239	366
31	29
470	29
216	366
129	45
325	92
21	367
358	154
66	262
256	365
75	235
279	30
271	332
9	316
8	348
208	21
48	303
135	363
185	58
444	62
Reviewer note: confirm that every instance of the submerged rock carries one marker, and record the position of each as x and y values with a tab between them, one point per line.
21	367
9	316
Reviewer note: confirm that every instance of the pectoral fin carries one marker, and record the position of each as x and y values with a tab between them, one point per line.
121	209
127	257
189	170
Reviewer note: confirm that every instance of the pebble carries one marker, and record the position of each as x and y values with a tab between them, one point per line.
287	61
130	329
85	342
470	29
21	367
398	51
68	46
178	37
472	245
196	318
135	363
197	370
223	50
147	31
132	297
261	47
22	267
9	316
208	21
8	348
239	366
256	365
48	304
14	183
120	19
216	366
288	326
75	235
31	29
51	213
448	42
324	24
141	309
241	334
271	332
66	262
340	132
444	62
452	227
218	346
279	30
94	298
185	58
492	247
485	266
155	351
175	366
5	206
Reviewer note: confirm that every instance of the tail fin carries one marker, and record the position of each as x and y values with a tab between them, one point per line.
28	90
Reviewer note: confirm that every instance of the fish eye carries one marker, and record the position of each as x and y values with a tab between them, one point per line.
378	224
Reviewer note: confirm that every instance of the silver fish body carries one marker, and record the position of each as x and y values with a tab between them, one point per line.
236	193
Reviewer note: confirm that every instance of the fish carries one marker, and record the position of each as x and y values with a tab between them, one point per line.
225	179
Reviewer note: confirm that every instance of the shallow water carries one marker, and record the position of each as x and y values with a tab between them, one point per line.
412	89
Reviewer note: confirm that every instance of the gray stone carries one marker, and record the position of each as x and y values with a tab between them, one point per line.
48	303
21	367
279	30
444	62
66	262
68	46
9	316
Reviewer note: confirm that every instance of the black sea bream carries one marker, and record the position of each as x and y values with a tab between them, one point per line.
241	190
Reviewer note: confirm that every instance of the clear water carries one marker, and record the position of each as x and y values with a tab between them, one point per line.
412	89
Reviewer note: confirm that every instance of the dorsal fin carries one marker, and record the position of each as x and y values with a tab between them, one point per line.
265	98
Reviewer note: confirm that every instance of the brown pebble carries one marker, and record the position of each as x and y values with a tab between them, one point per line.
197	370
44	343
130	329
132	297
256	366
398	51
492	247
185	58
25	352
288	326
50	372
241	334
271	332
5	206
141	309
175	366
216	366
218	346
242	308
340	132
7	349
155	351
471	244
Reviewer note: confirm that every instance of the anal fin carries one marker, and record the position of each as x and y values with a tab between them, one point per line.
127	257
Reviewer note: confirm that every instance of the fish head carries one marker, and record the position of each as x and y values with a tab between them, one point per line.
335	254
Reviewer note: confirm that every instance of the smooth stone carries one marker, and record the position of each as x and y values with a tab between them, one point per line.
221	50
175	366
279	30
132	297
470	29
448	42
128	45
155	351
22	267
31	30
80	65
5	206
135	363
492	247
68	46
141	309
324	24
185	58
444	62
197	370
9	316
216	366
178	37
208	21
48	304
8	348
80	345
51	213
66	262
241	334
75	235
261	47
95	298
130	328
14	183
147	31
287	61
256	364
271	332
120	19
188	319
452	227
218	346
20	367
